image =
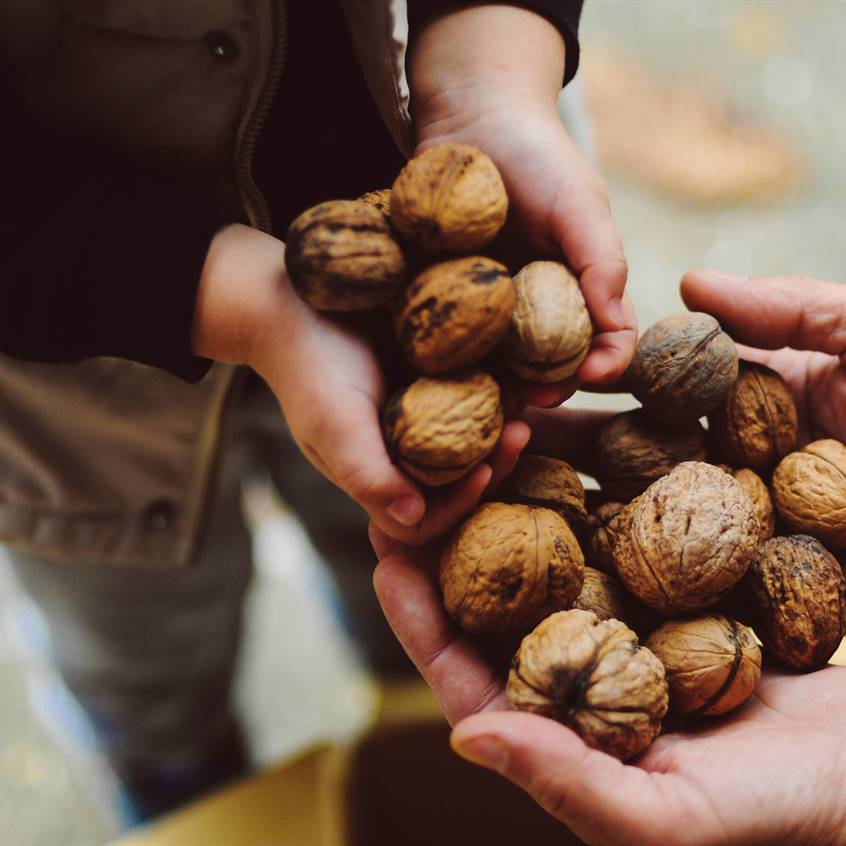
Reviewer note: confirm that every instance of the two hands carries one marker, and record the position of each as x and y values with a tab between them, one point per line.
771	772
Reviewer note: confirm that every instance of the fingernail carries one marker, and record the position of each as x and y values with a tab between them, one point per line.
484	750
614	311
406	510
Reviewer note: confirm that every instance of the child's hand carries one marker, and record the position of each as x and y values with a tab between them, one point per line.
490	76
328	383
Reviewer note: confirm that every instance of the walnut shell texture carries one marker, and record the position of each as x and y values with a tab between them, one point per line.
757	423
683	368
632	450
592	676
799	590
602	594
602	525
341	256
712	663
508	566
687	539
759	495
454	313
550	483
551	330
380	200
449	199
438	429
809	489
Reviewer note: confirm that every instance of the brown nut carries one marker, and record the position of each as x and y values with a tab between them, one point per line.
438	429
712	663
550	483
602	525
551	331
603	595
683	368
592	676
341	256
454	313
509	566
759	495
799	589
756	425
380	200
449	199
687	539
809	489
632	451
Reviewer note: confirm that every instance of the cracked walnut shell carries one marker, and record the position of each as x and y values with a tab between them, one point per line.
438	429
449	199
454	313
809	489
757	424
508	566
592	676
551	330
341	256
712	663
799	591
632	451
683	368
687	540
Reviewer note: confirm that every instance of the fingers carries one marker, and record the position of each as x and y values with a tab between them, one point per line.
456	669
608	349
772	312
602	800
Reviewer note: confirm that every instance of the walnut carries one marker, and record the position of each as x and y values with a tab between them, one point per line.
449	199
454	313
341	256
759	495
551	331
809	489
712	663
687	540
602	525
683	368
602	594
548	482
508	566
799	590
380	200
632	451
756	425
438	429
592	676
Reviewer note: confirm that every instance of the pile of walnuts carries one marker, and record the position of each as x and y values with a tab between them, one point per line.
699	541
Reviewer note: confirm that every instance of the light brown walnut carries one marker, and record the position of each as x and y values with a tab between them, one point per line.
342	256
798	587
712	663
759	495
683	368
551	330
454	313
449	199
438	429
601	527
592	676
602	594
687	539
809	489
380	200
508	566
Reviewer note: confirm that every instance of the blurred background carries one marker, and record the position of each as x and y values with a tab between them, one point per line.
716	124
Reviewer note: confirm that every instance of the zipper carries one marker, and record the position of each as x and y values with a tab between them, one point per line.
252	198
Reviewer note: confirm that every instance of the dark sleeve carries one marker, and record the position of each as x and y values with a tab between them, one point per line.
565	14
100	255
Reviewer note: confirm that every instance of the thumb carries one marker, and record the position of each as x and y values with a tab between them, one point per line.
772	312
599	798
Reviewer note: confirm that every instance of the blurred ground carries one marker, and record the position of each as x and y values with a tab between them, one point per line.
719	123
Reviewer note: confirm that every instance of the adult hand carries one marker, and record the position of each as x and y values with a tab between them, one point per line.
329	384
770	773
466	88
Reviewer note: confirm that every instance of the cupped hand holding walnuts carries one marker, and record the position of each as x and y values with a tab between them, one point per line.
770	773
507	107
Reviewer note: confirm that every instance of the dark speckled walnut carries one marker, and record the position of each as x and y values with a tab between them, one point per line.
683	368
454	313
687	540
508	566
